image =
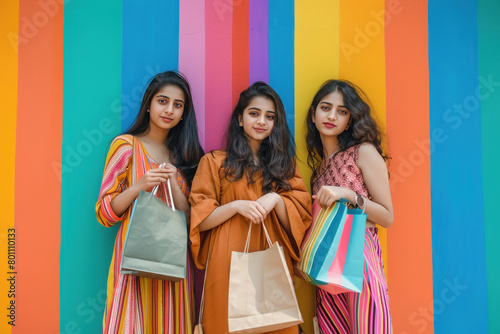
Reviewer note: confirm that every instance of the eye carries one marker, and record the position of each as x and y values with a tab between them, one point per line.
325	108
162	101
343	111
271	117
178	105
253	113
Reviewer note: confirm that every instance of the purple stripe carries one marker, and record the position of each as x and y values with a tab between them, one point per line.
259	41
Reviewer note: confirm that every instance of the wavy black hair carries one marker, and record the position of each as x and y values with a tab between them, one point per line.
182	141
276	153
363	128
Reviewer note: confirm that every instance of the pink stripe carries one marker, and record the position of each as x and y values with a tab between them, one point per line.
218	64
192	55
259	40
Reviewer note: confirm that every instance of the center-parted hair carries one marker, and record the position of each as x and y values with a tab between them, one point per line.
276	153
363	128
182	141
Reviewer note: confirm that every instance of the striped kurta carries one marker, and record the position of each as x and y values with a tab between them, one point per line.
137	304
357	313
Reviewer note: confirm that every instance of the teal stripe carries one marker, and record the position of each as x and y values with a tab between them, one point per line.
91	118
489	71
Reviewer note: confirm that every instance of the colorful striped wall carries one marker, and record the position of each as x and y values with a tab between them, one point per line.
73	73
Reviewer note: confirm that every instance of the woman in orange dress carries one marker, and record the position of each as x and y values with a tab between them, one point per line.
255	180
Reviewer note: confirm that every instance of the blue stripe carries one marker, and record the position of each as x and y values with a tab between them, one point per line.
150	46
281	54
459	270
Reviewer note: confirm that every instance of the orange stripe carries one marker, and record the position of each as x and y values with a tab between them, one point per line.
38	150
409	245
362	61
9	21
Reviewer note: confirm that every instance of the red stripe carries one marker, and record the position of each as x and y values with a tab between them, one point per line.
38	152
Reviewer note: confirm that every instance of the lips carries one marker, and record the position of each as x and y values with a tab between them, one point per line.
166	119
329	125
259	130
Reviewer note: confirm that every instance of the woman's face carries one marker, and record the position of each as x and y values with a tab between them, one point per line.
257	120
166	108
331	117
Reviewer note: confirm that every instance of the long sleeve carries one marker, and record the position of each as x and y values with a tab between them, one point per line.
114	179
298	207
204	198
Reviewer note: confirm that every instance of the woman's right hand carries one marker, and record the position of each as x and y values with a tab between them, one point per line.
152	178
252	210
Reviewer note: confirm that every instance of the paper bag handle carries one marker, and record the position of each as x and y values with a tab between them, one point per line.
155	189
247	244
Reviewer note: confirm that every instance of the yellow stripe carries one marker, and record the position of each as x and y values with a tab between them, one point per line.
362	61
9	23
316	60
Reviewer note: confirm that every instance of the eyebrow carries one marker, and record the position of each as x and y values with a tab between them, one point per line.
342	106
255	108
169	97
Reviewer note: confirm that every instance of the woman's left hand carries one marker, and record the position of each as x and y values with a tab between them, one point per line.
268	201
172	173
327	195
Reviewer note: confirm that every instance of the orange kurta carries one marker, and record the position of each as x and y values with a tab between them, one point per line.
210	190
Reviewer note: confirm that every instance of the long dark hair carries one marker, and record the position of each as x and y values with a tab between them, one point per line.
362	129
182	141
276	153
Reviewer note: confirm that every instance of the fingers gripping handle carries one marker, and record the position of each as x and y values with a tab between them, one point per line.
247	244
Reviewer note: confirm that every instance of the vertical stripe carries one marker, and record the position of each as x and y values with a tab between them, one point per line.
240	53
489	96
317	26
316	60
192	55
9	28
150	46
458	252
38	140
362	61
258	40
281	55
218	27
91	105
409	167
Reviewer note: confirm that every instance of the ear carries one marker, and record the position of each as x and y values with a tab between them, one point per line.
312	114
240	120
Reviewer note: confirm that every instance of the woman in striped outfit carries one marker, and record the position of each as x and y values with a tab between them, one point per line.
163	144
347	161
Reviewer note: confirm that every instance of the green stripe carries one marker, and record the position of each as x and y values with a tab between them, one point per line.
489	70
91	118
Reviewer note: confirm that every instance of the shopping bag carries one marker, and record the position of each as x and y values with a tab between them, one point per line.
332	250
261	293
156	241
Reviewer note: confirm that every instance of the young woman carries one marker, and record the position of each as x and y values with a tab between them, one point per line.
165	143
347	161
255	180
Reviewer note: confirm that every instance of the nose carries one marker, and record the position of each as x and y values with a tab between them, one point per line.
262	119
169	108
332	114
